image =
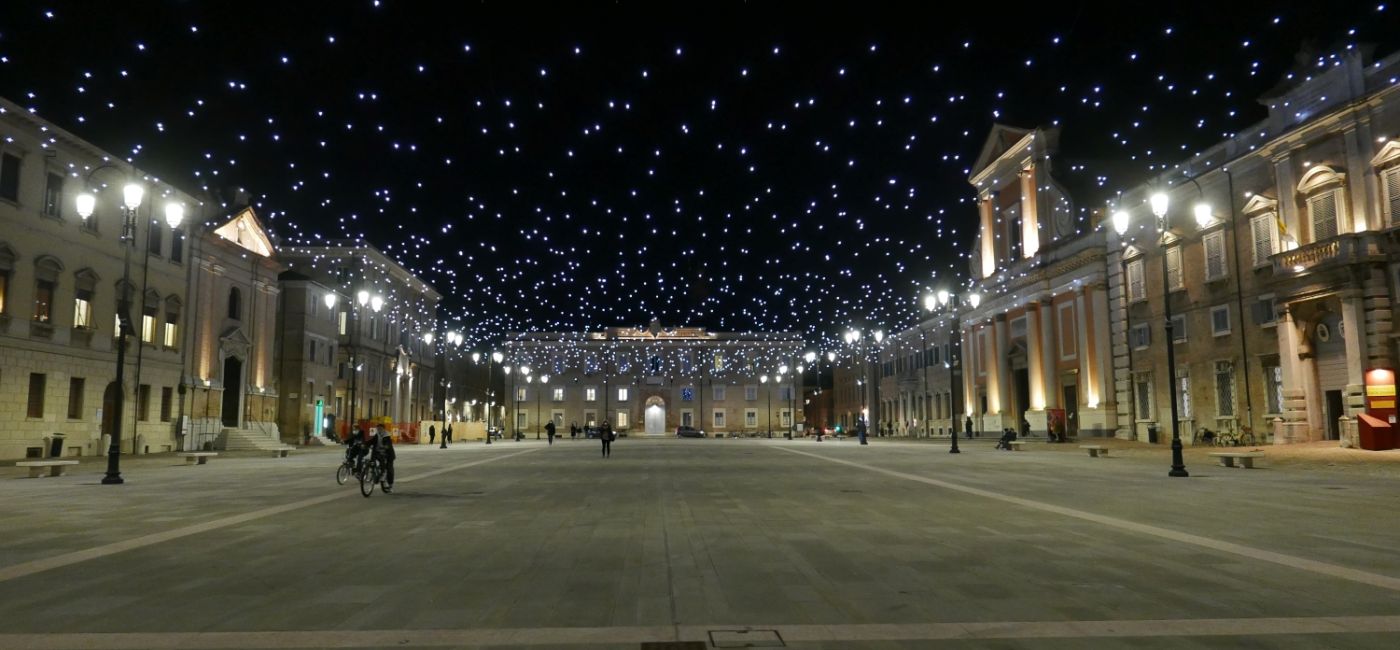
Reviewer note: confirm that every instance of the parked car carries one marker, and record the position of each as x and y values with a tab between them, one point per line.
689	432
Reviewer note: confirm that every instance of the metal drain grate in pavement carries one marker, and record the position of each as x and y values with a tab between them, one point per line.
746	639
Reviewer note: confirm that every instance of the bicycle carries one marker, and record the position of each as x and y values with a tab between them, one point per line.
350	466
373	473
1245	439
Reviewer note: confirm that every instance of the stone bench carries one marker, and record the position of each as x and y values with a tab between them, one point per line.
1016	445
1095	450
55	467
1246	458
282	452
198	457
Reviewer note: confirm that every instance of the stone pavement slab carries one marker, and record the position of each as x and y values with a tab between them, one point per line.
829	544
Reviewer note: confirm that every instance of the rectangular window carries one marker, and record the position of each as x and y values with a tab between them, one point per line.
558	393
1174	280
622	394
43	300
75	397
1264	314
1390	183
167	400
53	195
37	382
1215	255
750	418
1183	395
171	334
1264	229
590	393
4	289
717	392
177	246
1220	320
751	392
718	419
622	419
344	327
521	420
1140	336
1273	388
1142	384
1178	329
310	349
719	360
785	393
1324	212
9	177
785	418
148	325
1225	388
153	240
143	402
82	309
520	394
1137	288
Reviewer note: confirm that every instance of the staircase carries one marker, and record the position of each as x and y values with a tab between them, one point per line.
245	440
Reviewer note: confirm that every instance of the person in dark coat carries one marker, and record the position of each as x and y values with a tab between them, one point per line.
606	435
549	431
446	435
432	433
860	431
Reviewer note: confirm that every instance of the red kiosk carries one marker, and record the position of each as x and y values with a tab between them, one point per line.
1377	425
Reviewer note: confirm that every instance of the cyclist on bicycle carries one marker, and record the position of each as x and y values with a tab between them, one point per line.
383	445
355	449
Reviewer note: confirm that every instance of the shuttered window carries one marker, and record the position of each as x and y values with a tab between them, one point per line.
1390	180
1323	209
1215	255
1141	336
1136	290
1174	268
1264	228
1225	388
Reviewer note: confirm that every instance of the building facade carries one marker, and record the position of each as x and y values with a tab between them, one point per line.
1282	286
385	322
1036	346
61	275
920	379
649	381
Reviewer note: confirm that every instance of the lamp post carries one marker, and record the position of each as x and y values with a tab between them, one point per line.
944	299
524	370
811	359
783	372
132	194
544	379
1160	202
763	379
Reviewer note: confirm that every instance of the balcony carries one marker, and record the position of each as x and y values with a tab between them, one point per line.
1339	251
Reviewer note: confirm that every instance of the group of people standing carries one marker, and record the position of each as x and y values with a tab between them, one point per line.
446	435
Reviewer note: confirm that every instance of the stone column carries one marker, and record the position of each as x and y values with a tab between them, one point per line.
1048	346
1035	370
969	377
1088	379
1002	363
1376	302
1030	216
988	248
1358	171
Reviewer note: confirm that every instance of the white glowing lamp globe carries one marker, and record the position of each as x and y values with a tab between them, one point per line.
810	357
524	370
476	357
544	379
944	297
174	214
376	303
782	370
86	204
763	379
879	336
1120	222
1160	202
497	356
974	299
330	301
132	195
930	302
362	298
830	356
1203	215
428	338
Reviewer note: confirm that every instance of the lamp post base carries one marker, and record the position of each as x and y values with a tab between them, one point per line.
113	479
1178	463
954	449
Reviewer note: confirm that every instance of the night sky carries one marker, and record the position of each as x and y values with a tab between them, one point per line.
750	166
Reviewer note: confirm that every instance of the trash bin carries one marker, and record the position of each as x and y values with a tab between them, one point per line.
56	445
1152	434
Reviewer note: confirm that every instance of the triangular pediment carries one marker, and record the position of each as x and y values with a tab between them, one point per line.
998	142
1259	203
1388	154
235	336
247	232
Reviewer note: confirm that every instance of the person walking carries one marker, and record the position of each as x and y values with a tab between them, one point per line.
606	435
549	431
968	427
860	431
432	433
446	435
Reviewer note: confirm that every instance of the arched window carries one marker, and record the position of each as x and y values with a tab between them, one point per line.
1324	191
84	287
7	267
235	304
46	271
170	337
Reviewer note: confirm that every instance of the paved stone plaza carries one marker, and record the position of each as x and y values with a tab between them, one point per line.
721	542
